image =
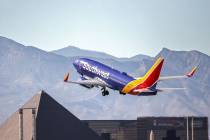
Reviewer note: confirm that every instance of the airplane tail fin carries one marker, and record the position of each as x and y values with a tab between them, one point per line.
151	77
149	80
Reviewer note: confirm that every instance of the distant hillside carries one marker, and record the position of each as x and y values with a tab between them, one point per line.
24	70
72	51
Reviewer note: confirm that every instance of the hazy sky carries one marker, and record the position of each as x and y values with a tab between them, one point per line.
118	27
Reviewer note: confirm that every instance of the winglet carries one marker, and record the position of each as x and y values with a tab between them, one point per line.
66	77
191	73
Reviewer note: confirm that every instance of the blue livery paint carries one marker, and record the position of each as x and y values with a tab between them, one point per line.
93	69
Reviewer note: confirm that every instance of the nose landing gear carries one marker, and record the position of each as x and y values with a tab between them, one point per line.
104	92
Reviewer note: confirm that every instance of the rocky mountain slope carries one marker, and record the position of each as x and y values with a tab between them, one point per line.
24	70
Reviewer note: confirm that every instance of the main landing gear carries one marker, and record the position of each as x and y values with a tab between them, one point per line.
122	93
104	91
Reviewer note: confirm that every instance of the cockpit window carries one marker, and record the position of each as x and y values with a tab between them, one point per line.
124	73
77	61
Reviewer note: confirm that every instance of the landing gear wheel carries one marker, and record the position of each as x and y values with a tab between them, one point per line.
122	93
104	92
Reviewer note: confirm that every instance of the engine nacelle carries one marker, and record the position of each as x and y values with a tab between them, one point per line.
86	86
83	78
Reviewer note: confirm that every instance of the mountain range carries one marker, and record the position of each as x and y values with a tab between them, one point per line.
24	70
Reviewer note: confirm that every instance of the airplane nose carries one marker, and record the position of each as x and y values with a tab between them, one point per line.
76	63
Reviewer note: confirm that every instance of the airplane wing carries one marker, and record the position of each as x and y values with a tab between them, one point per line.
169	89
189	74
88	82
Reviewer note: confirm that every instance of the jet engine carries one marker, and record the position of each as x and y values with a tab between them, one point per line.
86	86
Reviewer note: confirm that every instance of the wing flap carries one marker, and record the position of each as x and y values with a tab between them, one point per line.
163	78
169	89
89	82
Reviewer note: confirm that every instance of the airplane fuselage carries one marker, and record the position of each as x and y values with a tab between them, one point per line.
93	69
116	80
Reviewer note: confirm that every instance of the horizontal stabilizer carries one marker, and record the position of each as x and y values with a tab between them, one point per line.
142	90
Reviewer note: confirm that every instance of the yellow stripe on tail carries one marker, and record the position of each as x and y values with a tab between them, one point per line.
148	79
